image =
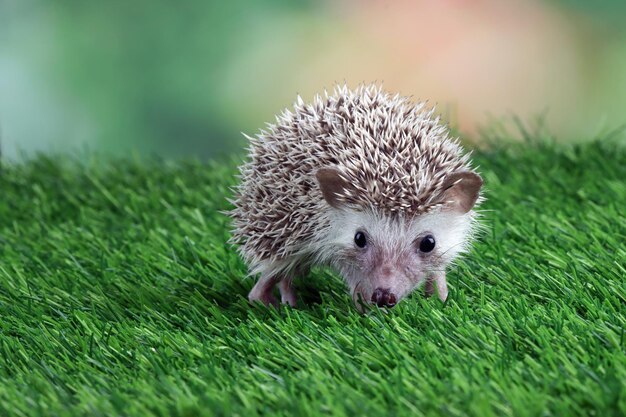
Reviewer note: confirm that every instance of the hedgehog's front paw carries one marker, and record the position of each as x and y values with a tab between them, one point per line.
263	292
287	292
437	279
429	287
267	299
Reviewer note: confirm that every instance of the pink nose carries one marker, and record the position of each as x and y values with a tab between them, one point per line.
383	297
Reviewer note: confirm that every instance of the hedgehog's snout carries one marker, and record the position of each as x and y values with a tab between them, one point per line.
383	297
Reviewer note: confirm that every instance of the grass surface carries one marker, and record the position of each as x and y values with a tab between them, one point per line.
119	296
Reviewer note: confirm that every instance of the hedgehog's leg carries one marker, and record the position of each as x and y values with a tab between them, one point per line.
263	290
287	292
438	279
442	285
429	286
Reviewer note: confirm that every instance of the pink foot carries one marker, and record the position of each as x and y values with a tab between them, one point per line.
263	292
287	292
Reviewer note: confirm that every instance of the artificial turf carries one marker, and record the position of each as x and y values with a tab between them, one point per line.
119	296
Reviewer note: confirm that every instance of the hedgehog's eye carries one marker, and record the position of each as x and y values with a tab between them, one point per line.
427	244
360	240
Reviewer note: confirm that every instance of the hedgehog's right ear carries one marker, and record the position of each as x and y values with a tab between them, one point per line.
332	185
460	191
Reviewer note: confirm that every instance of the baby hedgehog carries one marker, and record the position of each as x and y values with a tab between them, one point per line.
363	181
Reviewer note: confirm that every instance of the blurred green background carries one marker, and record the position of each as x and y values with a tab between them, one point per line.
186	78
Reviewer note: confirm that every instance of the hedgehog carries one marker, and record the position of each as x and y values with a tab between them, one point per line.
365	182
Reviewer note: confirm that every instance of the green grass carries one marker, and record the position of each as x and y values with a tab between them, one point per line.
119	296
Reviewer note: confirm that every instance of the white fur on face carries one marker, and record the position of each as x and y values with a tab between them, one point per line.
392	258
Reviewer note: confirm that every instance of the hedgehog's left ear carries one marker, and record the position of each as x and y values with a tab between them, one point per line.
332	185
460	191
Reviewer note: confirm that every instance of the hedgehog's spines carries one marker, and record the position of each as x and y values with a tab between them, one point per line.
395	155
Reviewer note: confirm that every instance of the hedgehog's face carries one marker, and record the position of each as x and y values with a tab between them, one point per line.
384	258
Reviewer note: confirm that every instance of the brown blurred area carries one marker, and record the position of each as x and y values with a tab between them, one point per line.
478	60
